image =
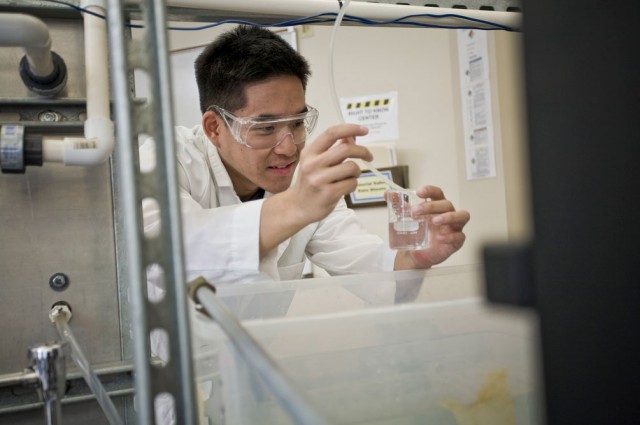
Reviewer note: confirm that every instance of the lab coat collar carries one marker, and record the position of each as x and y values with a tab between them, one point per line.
215	163
220	174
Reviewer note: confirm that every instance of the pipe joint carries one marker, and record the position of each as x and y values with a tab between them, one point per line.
99	138
42	71
18	150
192	289
60	311
45	85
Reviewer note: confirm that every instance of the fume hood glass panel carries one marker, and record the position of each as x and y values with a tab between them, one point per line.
388	348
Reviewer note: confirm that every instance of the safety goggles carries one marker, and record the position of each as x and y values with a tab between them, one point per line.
267	133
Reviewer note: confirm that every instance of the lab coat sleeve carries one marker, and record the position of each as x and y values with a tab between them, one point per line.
220	244
341	245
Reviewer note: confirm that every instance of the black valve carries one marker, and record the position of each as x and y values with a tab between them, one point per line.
48	85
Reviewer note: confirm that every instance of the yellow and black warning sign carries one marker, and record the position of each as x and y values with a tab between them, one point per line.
368	104
379	113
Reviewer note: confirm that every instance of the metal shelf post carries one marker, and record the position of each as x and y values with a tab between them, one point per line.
153	118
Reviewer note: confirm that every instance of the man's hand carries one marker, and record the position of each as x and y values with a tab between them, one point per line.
324	174
324	177
445	231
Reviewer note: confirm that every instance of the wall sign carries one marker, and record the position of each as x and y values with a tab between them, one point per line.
379	113
371	188
477	116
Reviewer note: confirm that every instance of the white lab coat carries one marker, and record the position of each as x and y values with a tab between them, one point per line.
220	232
221	242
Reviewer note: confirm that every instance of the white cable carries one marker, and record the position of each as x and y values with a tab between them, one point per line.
334	94
332	82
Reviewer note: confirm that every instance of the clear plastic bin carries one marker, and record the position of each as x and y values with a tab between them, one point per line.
374	350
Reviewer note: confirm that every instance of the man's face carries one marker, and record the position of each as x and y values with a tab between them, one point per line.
271	169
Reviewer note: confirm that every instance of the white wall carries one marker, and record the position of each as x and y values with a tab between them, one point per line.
421	65
416	63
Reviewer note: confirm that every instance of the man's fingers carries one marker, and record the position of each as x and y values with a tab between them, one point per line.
339	153
333	134
347	170
434	207
456	218
431	192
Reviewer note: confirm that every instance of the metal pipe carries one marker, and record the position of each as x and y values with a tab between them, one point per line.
5	410
119	383
129	207
28	377
292	401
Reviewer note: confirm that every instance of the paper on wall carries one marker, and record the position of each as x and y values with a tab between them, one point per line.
477	116
379	113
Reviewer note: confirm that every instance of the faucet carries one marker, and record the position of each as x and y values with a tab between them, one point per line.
48	363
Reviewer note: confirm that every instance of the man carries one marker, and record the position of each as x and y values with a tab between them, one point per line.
246	217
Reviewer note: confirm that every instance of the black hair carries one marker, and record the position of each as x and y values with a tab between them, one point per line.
243	55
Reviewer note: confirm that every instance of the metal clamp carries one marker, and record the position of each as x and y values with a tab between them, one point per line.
192	291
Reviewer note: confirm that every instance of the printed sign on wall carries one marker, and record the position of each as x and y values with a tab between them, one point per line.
476	104
379	113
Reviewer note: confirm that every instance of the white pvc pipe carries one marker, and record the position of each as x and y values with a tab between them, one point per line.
52	149
96	60
373	11
29	32
97	144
